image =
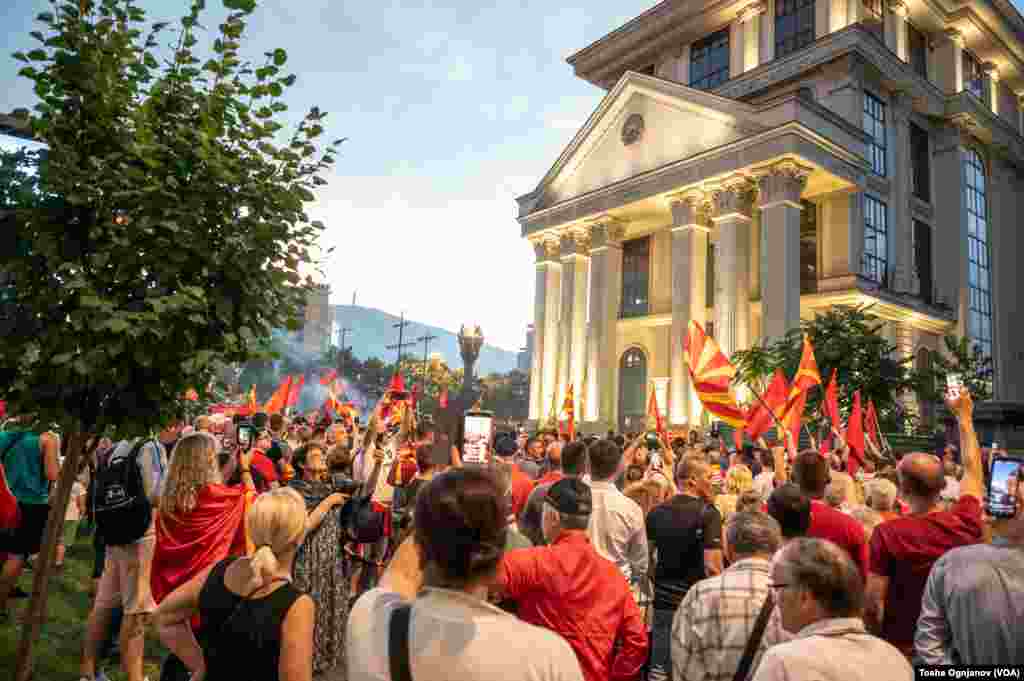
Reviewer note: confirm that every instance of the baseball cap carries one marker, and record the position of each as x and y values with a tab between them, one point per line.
570	496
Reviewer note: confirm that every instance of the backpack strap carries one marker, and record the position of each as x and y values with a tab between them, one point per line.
754	642
398	643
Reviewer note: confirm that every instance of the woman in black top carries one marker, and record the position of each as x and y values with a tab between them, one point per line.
256	625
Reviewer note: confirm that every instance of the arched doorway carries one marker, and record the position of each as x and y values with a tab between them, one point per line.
632	390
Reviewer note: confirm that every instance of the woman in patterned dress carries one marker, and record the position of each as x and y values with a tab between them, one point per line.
320	565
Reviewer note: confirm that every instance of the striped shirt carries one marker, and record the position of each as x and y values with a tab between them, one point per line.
714	621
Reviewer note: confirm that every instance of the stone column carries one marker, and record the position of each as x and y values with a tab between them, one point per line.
902	232
575	266
731	204
567	256
737	56
948	63
780	188
539	311
767	33
750	19
689	281
605	294
896	29
990	86
552	335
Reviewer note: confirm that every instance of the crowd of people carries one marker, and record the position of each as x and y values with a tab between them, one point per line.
297	548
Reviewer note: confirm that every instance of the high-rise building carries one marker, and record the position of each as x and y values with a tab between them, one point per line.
753	163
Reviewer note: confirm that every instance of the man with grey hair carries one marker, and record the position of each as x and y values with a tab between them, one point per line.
881	498
717	616
820	598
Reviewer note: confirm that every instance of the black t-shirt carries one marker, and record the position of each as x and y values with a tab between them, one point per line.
681	530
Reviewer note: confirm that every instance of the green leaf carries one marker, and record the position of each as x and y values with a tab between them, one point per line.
240	5
90	301
280	57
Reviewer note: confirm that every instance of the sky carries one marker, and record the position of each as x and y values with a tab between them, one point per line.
452	109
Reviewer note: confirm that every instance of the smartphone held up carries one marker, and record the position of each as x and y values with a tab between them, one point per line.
1004	482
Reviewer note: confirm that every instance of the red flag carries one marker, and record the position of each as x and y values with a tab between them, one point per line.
793	420
832	402
759	420
569	408
737	439
871	429
279	399
293	394
413	396
807	376
329	377
442	401
3	408
712	376
652	410
855	436
826	445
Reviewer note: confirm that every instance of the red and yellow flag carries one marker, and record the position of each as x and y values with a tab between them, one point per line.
569	409
296	389
760	418
793	419
712	376
807	376
279	400
871	428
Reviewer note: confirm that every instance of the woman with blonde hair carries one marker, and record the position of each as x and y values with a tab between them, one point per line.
738	480
258	626
199	520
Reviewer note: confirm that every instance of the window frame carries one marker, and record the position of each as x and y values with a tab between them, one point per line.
920	176
980	317
801	36
875	118
634	279
913	30
975	85
875	260
708	50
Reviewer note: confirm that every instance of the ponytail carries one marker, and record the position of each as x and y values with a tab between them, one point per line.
264	565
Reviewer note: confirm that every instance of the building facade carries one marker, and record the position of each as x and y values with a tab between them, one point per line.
754	163
525	358
317	330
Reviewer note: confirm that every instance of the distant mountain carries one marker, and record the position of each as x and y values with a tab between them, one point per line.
373	331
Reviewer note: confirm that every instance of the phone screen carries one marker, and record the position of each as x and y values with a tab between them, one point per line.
1001	501
245	436
477	437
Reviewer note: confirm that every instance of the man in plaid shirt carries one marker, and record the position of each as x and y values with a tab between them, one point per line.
716	617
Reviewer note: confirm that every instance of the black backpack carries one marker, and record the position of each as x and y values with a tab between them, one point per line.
122	509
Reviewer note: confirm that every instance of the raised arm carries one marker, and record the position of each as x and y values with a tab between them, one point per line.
973	482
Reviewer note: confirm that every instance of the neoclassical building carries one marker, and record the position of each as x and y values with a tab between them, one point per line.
756	162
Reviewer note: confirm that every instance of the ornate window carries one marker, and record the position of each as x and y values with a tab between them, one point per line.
874	126
979	269
875	263
709	61
636	268
917	50
920	161
794	25
632	390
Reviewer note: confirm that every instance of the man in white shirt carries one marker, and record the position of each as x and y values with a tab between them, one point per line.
820	596
617	529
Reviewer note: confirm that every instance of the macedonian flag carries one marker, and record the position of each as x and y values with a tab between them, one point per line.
712	376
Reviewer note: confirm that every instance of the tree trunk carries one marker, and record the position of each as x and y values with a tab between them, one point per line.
40	583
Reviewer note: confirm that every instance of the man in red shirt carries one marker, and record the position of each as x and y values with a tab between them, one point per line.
811	473
903	550
570	589
522	485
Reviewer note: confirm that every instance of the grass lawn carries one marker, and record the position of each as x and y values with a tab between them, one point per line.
59	649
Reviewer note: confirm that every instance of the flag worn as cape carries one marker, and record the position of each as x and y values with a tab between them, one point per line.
293	394
712	376
855	436
759	419
279	400
188	543
807	376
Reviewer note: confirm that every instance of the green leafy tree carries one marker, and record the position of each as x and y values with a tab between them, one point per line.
847	340
178	235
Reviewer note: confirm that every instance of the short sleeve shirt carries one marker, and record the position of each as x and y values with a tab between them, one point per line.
841	529
681	530
905	549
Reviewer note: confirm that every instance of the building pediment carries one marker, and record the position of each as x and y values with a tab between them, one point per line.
644	123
